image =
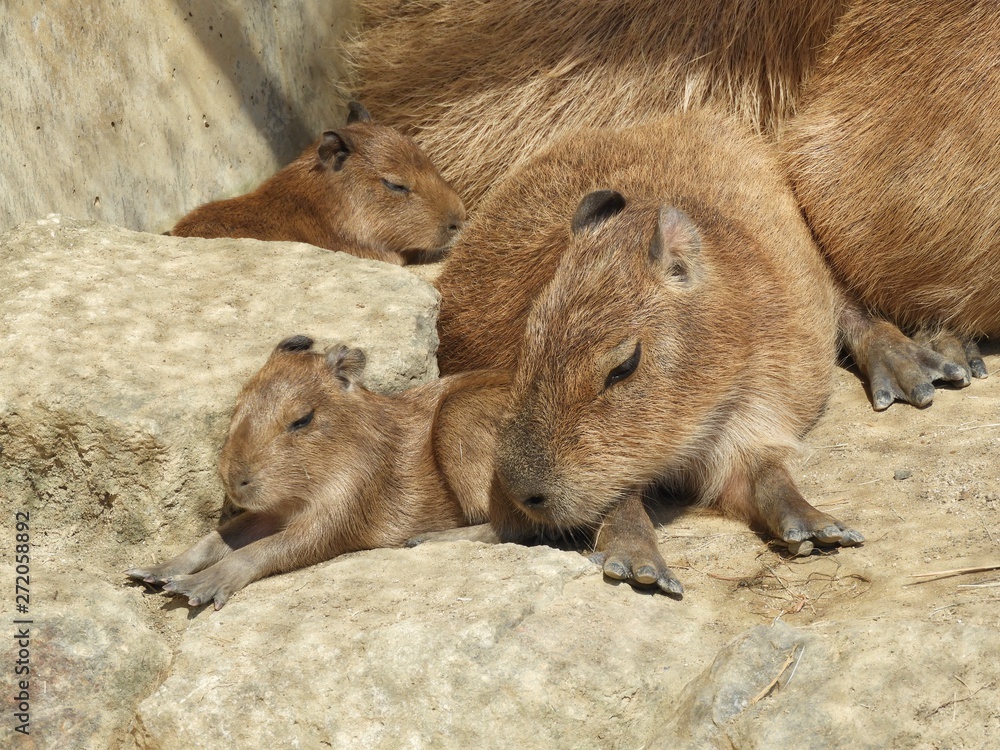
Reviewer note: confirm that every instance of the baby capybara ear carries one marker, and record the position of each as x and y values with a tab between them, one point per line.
596	208
357	113
297	343
347	364
334	149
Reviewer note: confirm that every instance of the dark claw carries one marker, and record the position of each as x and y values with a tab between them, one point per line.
882	399
923	394
670	586
852	538
616	570
793	535
978	368
955	373
646	575
141	574
801	543
829	535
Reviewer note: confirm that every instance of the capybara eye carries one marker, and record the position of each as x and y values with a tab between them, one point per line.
302	421
626	368
395	186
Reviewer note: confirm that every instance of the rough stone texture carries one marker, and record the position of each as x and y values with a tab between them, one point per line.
443	646
135	113
91	640
866	687
121	355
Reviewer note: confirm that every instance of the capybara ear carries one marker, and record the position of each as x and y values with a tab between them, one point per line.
596	208
298	343
347	364
676	245
357	113
334	149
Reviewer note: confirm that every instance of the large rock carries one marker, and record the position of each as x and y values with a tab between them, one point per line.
135	113
447	646
457	646
92	655
121	355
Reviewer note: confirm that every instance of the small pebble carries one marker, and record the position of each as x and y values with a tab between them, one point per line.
800	549
902	474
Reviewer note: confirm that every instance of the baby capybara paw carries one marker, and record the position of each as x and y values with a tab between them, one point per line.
200	588
155	574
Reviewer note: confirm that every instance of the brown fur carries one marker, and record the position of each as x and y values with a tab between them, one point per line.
895	159
338	195
482	86
321	466
736	318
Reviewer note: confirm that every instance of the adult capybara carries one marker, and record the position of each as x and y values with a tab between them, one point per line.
320	466
482	86
363	189
895	159
669	320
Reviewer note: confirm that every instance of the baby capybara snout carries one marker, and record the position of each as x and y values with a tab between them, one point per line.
287	416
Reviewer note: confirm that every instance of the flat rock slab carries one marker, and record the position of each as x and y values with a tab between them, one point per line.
454	645
121	355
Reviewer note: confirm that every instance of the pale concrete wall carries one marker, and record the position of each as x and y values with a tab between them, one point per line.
135	112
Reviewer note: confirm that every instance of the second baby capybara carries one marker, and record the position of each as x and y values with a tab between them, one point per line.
363	189
895	159
670	322
320	466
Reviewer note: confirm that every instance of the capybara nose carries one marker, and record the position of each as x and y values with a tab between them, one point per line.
534	502
239	481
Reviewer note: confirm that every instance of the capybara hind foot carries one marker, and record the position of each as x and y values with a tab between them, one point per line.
897	367
626	548
781	509
956	349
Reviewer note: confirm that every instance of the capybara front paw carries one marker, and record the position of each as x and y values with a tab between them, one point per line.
642	570
199	589
801	539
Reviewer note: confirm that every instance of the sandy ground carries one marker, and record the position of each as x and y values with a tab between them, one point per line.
922	485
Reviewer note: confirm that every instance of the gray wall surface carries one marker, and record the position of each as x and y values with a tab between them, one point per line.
133	113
